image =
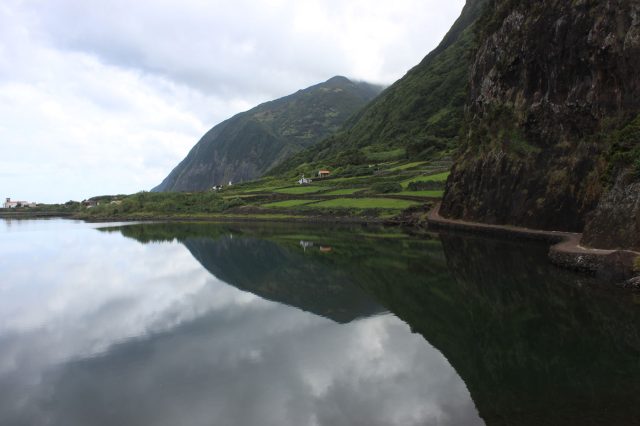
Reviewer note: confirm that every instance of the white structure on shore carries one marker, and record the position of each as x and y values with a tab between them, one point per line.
13	204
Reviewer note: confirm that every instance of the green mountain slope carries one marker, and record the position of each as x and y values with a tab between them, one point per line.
417	117
250	143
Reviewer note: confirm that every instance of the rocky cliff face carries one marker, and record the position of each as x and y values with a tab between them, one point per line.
250	143
554	92
616	221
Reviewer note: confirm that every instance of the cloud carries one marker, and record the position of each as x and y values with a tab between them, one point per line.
106	97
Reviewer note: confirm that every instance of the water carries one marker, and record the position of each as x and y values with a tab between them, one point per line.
178	324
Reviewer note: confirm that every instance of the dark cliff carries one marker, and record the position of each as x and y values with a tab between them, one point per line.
250	143
554	92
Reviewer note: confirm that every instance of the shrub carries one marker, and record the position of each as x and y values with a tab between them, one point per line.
386	187
235	202
350	171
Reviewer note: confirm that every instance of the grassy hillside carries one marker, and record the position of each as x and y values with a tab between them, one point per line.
418	117
392	156
384	192
247	145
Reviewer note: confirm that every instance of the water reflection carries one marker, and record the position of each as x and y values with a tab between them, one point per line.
263	325
98	329
533	343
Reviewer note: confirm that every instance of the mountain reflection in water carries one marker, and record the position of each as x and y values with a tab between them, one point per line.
533	343
273	325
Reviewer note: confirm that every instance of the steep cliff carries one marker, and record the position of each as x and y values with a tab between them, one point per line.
554	94
250	143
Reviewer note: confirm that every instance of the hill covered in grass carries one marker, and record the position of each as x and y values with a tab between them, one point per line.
248	144
382	194
418	117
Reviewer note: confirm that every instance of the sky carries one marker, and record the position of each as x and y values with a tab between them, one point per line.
106	97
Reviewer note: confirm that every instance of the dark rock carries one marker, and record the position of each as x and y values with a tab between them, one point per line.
616	221
617	267
633	283
589	263
552	81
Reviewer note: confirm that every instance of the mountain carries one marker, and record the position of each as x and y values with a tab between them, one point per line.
552	136
419	116
250	143
283	274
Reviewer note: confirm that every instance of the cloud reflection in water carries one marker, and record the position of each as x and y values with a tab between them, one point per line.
108	331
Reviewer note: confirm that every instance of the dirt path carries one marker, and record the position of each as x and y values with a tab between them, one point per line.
566	250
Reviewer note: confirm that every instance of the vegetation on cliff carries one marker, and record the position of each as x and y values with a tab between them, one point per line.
552	117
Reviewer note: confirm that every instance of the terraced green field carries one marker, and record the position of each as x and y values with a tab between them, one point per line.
288	203
440	177
426	194
407	166
365	203
347	191
302	189
352	191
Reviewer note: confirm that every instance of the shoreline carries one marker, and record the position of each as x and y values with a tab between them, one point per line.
239	219
34	215
565	250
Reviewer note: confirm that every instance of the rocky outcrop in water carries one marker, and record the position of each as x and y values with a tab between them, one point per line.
553	101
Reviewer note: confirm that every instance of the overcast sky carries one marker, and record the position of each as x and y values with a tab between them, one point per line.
106	97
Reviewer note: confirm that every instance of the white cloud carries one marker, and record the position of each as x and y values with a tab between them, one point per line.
106	97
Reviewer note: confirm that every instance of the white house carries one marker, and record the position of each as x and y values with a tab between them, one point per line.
304	181
13	204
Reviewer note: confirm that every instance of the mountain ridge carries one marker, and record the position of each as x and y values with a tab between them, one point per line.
421	113
246	145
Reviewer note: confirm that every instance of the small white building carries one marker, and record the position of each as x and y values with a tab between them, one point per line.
306	244
13	204
304	181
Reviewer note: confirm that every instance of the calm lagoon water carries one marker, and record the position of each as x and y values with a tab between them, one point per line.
201	324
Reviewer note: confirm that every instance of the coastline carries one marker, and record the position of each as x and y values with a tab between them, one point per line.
34	215
565	250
